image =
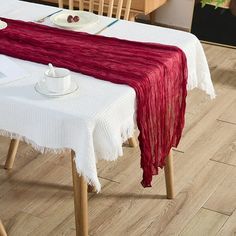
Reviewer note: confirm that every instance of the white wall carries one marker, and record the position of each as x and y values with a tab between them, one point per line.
177	13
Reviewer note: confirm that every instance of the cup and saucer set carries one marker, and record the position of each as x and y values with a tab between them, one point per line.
56	82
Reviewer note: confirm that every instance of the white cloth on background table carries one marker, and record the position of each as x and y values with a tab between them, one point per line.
95	120
18	10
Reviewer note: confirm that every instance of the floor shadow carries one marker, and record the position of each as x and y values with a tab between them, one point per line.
129	196
225	77
39	184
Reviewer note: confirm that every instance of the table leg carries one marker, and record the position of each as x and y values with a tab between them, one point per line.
169	176
152	17
132	142
11	153
2	229
80	201
132	16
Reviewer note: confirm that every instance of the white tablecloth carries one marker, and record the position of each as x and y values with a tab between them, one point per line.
97	119
18	10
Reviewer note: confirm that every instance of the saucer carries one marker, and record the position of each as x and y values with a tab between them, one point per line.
41	88
3	25
86	19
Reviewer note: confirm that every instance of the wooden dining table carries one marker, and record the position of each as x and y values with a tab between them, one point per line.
94	121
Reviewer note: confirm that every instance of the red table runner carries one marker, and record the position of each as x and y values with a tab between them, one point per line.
158	74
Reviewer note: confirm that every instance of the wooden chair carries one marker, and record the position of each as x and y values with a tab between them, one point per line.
2	229
100	5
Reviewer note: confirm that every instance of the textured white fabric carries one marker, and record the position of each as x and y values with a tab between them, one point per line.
19	10
93	122
10	71
96	120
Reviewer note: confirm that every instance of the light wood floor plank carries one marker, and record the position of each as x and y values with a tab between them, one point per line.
205	222
223	59
227	153
229	114
175	216
55	217
192	132
20	174
224	198
229	229
196	156
22	224
65	228
26	188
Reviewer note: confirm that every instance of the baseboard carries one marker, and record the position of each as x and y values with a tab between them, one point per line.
162	25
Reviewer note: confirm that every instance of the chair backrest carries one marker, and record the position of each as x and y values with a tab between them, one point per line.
100	5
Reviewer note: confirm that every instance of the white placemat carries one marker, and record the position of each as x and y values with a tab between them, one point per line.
10	71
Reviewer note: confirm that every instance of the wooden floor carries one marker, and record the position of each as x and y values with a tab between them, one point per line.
36	196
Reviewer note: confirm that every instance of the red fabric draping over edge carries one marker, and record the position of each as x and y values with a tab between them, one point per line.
157	73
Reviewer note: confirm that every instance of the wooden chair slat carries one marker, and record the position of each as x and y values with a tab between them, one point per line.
71	4
81	5
60	3
110	8
99	5
91	5
119	9
127	10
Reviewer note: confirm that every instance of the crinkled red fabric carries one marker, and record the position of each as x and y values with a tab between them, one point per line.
157	73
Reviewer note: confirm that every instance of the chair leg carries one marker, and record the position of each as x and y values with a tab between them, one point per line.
11	153
80	201
2	230
152	17
132	142
169	176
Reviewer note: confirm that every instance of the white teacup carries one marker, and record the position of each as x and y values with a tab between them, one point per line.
60	82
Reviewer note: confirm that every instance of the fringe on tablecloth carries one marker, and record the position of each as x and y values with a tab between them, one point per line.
127	131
